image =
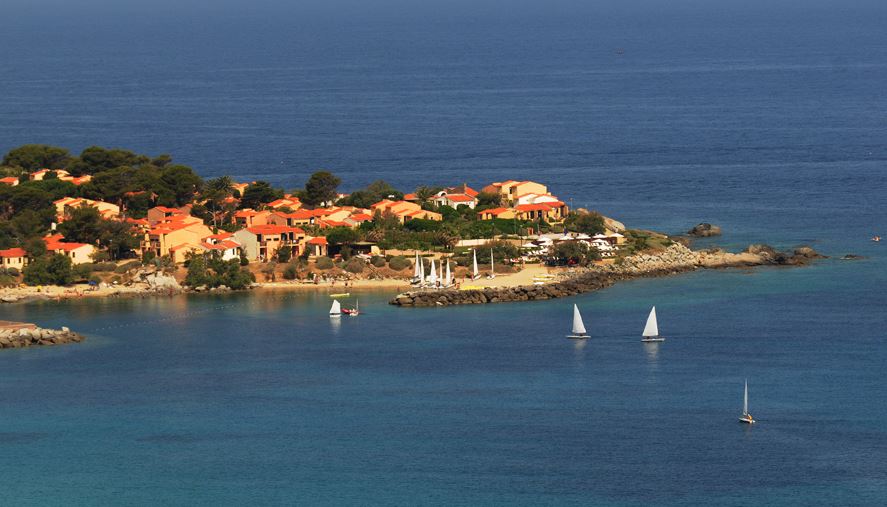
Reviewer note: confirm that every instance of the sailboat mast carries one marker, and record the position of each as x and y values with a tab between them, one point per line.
745	399
492	269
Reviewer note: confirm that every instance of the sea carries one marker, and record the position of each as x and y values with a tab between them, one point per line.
766	118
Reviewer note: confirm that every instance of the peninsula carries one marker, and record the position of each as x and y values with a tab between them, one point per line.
111	222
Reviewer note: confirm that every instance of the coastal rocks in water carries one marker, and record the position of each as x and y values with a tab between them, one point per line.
852	257
705	230
21	335
10	299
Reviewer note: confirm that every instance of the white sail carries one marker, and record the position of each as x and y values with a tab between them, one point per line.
745	399
652	328
417	268
578	325
448	280
421	271
492	271
432	278
474	271
336	309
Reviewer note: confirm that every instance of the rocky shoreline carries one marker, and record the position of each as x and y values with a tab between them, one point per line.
28	335
673	260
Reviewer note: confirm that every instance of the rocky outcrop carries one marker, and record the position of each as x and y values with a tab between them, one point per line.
158	281
705	230
675	259
35	336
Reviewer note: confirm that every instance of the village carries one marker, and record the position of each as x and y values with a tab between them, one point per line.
514	224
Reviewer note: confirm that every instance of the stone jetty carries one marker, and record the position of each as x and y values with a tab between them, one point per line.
673	260
14	335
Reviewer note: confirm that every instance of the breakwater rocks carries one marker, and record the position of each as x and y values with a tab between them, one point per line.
21	335
673	260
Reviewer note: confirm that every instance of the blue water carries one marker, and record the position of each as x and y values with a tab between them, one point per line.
765	119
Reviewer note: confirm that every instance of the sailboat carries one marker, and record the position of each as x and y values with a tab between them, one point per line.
746	417
432	278
448	279
336	309
421	272
578	332
475	274
492	269
353	312
417	271
651	330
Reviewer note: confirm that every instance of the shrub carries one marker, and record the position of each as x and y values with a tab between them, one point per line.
291	272
104	266
100	256
324	263
355	265
82	271
94	279
399	263
284	253
12	271
378	261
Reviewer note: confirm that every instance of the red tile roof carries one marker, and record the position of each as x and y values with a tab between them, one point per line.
460	197
274	229
319	240
11	180
494	211
15	252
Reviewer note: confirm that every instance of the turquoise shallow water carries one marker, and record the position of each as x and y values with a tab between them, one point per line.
261	398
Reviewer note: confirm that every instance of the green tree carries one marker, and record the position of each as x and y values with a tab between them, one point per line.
96	159
342	235
35	247
589	223
118	238
49	270
320	188
181	182
259	193
284	253
83	225
486	200
197	271
425	193
573	252
32	157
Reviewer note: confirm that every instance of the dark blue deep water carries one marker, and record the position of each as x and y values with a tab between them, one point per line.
768	119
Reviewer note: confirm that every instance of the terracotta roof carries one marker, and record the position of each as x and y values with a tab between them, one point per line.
167	210
494	211
410	197
17	252
221	245
302	214
221	235
533	207
273	229
10	180
361	217
319	240
460	197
